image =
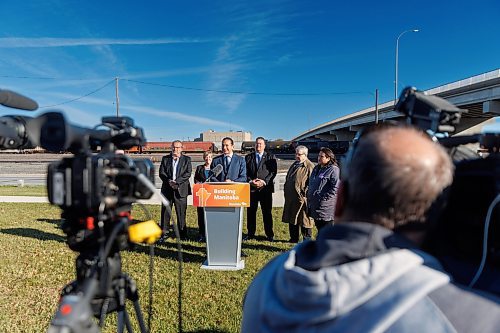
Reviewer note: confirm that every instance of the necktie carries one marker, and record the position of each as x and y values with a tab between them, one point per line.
258	158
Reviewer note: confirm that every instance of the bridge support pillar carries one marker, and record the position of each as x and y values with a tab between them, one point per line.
491	107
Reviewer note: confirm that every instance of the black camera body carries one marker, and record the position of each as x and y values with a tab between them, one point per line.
428	112
95	188
457	236
86	181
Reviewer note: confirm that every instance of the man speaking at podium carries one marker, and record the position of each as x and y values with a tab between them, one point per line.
233	166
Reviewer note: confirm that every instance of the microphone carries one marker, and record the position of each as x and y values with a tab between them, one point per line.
17	101
215	172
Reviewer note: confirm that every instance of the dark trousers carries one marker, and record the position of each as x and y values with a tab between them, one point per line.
201	221
266	204
180	204
294	232
321	223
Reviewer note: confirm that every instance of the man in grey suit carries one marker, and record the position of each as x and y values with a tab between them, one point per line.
234	166
175	170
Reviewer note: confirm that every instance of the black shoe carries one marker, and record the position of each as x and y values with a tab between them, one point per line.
248	237
270	239
293	241
202	239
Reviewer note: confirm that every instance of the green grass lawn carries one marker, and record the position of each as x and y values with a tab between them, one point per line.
33	191
36	264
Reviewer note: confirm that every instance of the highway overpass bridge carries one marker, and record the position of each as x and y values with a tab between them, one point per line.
479	94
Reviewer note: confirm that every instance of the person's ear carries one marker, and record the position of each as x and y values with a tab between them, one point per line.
341	199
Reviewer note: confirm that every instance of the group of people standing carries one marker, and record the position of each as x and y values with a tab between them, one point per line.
374	269
310	191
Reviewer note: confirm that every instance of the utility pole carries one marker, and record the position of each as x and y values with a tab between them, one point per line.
117	98
376	106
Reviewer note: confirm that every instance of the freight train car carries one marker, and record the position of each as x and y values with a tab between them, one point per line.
337	147
273	146
166	147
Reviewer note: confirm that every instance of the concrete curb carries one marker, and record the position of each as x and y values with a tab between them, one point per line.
278	200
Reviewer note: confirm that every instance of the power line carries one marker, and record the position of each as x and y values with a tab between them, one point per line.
245	92
240	92
78	98
29	77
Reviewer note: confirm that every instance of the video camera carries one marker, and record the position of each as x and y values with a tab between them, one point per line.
95	189
463	237
95	186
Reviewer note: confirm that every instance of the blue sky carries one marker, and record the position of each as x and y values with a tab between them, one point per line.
299	63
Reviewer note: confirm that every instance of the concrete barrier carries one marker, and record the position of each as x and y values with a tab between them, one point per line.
278	199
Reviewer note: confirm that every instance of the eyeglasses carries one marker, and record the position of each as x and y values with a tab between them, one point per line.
177	147
298	154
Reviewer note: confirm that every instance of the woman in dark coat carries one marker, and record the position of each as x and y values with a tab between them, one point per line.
322	190
200	176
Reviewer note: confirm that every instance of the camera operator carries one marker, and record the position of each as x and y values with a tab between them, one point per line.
366	273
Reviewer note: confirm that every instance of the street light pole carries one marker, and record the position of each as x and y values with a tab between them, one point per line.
396	64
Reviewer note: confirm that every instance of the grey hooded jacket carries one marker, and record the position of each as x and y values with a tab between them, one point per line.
359	277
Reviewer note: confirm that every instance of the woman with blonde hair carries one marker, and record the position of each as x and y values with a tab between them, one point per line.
201	175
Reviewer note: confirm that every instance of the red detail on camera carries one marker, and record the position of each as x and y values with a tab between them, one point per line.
66	309
90	223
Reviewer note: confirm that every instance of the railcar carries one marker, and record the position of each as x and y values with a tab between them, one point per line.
166	147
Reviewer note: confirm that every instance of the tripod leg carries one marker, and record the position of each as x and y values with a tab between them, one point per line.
140	318
104	311
127	321
121	321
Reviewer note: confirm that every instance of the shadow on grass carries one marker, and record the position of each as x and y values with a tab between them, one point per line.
34	233
207	331
262	247
169	250
57	222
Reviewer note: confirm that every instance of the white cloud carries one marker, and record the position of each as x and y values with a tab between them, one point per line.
77	116
154	111
183	117
19	42
259	31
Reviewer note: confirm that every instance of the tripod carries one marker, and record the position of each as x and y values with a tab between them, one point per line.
100	288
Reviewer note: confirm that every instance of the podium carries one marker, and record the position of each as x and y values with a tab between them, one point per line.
223	205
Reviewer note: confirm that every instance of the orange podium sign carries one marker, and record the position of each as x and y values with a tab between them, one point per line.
221	195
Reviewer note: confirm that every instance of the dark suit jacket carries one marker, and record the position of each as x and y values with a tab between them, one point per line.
199	174
237	171
183	173
266	170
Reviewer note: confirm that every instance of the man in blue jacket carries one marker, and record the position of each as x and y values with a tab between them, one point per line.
233	166
366	273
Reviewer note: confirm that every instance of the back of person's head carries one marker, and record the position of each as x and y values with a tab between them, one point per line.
393	175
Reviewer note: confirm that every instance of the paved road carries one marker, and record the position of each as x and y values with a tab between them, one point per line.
278	199
16	169
28	180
